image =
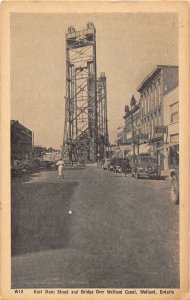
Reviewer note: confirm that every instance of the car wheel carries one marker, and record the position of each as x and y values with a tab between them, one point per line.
136	175
174	190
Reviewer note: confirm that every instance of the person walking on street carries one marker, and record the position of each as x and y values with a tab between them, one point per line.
60	165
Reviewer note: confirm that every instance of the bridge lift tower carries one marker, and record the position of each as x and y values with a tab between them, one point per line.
102	121
85	130
80	131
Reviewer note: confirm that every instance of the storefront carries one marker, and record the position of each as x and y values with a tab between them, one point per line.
156	150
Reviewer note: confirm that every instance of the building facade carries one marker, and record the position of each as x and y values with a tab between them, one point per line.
120	139
121	148
171	121
132	122
133	132
158	83
21	141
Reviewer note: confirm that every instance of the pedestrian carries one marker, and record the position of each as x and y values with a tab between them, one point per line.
60	165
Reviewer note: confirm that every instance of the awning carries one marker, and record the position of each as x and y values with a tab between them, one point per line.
130	153
166	146
144	149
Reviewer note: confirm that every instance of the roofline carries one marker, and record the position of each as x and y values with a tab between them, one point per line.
156	70
133	109
16	122
171	90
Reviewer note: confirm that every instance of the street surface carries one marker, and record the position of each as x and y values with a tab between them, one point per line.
122	233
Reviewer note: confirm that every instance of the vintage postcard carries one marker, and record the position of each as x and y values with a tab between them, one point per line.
95	150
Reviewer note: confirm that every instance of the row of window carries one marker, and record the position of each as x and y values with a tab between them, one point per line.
151	98
174	112
152	119
151	116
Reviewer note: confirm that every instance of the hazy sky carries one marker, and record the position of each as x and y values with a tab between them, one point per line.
129	46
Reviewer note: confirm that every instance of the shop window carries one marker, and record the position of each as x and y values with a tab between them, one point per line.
174	117
174	112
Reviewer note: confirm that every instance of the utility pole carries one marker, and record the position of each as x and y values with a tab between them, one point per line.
138	144
157	145
133	103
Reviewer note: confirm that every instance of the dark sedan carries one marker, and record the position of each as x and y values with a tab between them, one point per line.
145	166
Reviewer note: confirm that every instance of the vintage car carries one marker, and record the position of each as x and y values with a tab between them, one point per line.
111	167
126	166
105	167
117	169
145	166
16	168
80	163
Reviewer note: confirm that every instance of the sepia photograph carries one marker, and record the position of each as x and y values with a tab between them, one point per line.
94	154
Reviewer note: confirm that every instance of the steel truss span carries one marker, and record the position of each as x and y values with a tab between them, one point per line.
85	126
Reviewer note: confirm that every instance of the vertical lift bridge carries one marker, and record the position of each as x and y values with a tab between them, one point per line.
85	124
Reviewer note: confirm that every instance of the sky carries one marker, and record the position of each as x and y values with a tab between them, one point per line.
128	48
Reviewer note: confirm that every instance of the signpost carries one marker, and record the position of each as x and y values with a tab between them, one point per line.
160	129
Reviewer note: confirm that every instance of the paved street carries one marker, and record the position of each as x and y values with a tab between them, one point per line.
122	233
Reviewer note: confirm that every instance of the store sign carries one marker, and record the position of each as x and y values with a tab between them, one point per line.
160	129
143	136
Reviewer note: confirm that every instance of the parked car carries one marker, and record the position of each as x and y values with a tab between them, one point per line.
16	168
22	167
117	169
125	166
80	163
111	168
26	167
36	165
48	164
145	166
105	167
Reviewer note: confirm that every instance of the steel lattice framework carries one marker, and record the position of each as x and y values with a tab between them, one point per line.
84	124
102	121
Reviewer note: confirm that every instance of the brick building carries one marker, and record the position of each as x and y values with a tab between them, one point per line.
171	121
21	141
39	151
158	83
132	121
120	139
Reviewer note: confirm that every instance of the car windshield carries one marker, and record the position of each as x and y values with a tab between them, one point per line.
147	160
